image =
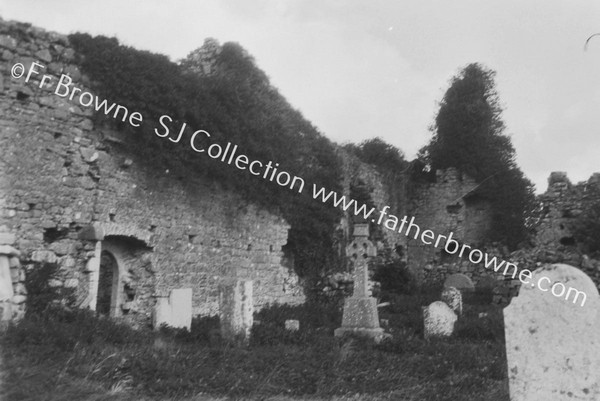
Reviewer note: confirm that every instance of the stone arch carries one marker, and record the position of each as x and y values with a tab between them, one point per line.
134	282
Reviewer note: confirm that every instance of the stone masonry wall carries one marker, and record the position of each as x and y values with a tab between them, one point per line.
60	177
445	207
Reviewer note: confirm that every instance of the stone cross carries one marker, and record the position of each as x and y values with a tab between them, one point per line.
360	251
360	310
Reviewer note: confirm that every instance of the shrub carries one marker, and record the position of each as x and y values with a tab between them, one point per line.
315	319
490	326
40	294
395	277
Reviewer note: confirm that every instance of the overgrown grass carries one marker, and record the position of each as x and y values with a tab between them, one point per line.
76	356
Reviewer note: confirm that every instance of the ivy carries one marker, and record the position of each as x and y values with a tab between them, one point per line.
221	90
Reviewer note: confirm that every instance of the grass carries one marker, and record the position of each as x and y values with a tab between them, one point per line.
76	356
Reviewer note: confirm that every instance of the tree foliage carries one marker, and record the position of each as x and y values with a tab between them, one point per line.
386	157
468	134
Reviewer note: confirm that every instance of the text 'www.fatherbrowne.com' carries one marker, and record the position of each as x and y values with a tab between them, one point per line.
450	245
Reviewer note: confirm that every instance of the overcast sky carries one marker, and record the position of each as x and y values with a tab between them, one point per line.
360	69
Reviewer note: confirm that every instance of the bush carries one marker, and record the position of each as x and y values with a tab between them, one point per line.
395	277
315	319
490	326
40	295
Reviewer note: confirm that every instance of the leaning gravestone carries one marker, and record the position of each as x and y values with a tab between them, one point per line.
438	320
552	344
453	298
460	282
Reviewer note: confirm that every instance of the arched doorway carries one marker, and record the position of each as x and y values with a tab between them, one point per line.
108	284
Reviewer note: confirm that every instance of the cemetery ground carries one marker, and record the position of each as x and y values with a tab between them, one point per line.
74	355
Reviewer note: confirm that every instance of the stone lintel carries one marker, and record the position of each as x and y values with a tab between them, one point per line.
7	239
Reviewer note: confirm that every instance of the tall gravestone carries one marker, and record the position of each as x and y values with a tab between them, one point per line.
552	343
236	308
360	310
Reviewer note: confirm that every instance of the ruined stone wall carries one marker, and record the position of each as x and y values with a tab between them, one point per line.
445	206
60	176
561	206
384	191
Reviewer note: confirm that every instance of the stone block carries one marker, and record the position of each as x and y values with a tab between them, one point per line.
20	289
71	283
44	256
292	325
19	299
14	275
8	42
552	345
438	320
7	239
14	262
8	250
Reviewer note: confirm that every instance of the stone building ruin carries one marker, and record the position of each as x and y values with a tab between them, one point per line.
125	237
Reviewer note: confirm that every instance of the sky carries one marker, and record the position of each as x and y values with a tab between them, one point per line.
365	69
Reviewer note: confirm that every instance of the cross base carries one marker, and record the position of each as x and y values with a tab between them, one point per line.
361	318
377	335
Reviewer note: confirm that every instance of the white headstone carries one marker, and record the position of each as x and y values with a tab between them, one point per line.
553	344
181	308
453	298
438	320
292	325
174	310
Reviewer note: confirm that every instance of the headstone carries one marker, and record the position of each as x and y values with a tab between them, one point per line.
552	343
174	310
7	294
438	320
453	298
236	308
181	308
460	282
6	289
360	310
292	325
